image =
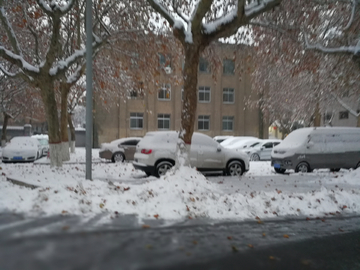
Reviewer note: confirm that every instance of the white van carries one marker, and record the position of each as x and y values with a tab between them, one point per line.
306	149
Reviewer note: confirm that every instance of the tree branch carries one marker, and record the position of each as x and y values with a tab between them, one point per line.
9	31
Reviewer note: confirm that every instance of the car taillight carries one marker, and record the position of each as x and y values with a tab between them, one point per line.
146	151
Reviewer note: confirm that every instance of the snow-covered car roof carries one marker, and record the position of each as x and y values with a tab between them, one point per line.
22	141
40	136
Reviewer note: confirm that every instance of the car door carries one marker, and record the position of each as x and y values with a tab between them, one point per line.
265	151
209	154
129	148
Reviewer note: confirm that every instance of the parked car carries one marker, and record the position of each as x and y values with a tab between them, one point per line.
306	149
119	150
231	141
21	149
241	145
220	138
262	150
155	154
44	142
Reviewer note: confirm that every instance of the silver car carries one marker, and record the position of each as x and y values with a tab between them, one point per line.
119	150
156	152
262	150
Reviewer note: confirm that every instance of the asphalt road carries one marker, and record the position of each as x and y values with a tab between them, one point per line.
74	243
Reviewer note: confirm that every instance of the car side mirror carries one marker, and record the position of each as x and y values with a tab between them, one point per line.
218	148
262	148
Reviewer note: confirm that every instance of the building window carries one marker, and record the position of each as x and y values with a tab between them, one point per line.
204	65
228	67
203	122
136	120
228	123
137	93
228	95
164	60
163	121
165	92
344	115
204	94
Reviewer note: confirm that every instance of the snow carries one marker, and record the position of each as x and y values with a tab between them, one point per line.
119	189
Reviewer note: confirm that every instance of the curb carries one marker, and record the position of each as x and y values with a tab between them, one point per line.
21	183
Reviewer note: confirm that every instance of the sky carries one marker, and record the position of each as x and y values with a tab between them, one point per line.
119	189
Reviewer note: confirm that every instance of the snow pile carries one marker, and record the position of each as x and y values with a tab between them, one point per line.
120	189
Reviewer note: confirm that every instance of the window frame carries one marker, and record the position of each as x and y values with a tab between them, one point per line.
226	68
228	95
204	63
343	115
164	117
202	90
204	119
162	89
137	117
226	119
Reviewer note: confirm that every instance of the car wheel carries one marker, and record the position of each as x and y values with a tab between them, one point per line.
254	157
302	167
235	168
279	170
162	168
118	157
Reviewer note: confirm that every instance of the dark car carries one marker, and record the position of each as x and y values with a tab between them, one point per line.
119	150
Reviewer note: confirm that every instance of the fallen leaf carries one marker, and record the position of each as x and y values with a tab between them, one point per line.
127	188
250	246
234	249
229	238
144	226
65	228
156	216
101	205
286	236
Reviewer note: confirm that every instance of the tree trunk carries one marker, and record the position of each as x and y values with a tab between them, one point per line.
48	96
5	124
358	121
188	113
72	133
317	115
64	87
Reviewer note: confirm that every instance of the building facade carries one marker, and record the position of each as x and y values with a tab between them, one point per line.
224	101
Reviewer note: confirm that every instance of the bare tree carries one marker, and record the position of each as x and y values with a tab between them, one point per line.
196	24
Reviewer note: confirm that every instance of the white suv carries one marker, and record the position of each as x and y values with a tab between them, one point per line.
155	154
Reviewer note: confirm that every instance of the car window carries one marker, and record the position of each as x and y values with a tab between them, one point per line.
268	145
131	142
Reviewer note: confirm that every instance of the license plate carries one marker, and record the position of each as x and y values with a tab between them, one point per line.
277	166
17	158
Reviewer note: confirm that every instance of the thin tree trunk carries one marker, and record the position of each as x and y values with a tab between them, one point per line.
317	115
50	104
63	122
72	134
358	121
5	124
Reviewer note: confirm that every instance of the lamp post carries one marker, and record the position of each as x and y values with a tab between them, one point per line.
89	89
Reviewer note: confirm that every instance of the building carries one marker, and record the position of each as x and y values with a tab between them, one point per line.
225	101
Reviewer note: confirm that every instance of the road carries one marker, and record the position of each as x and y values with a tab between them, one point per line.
74	243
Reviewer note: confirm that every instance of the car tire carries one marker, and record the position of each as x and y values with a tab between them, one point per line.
235	168
254	157
279	170
302	167
118	157
163	167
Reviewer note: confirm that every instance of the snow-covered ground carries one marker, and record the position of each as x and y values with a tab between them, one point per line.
119	189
